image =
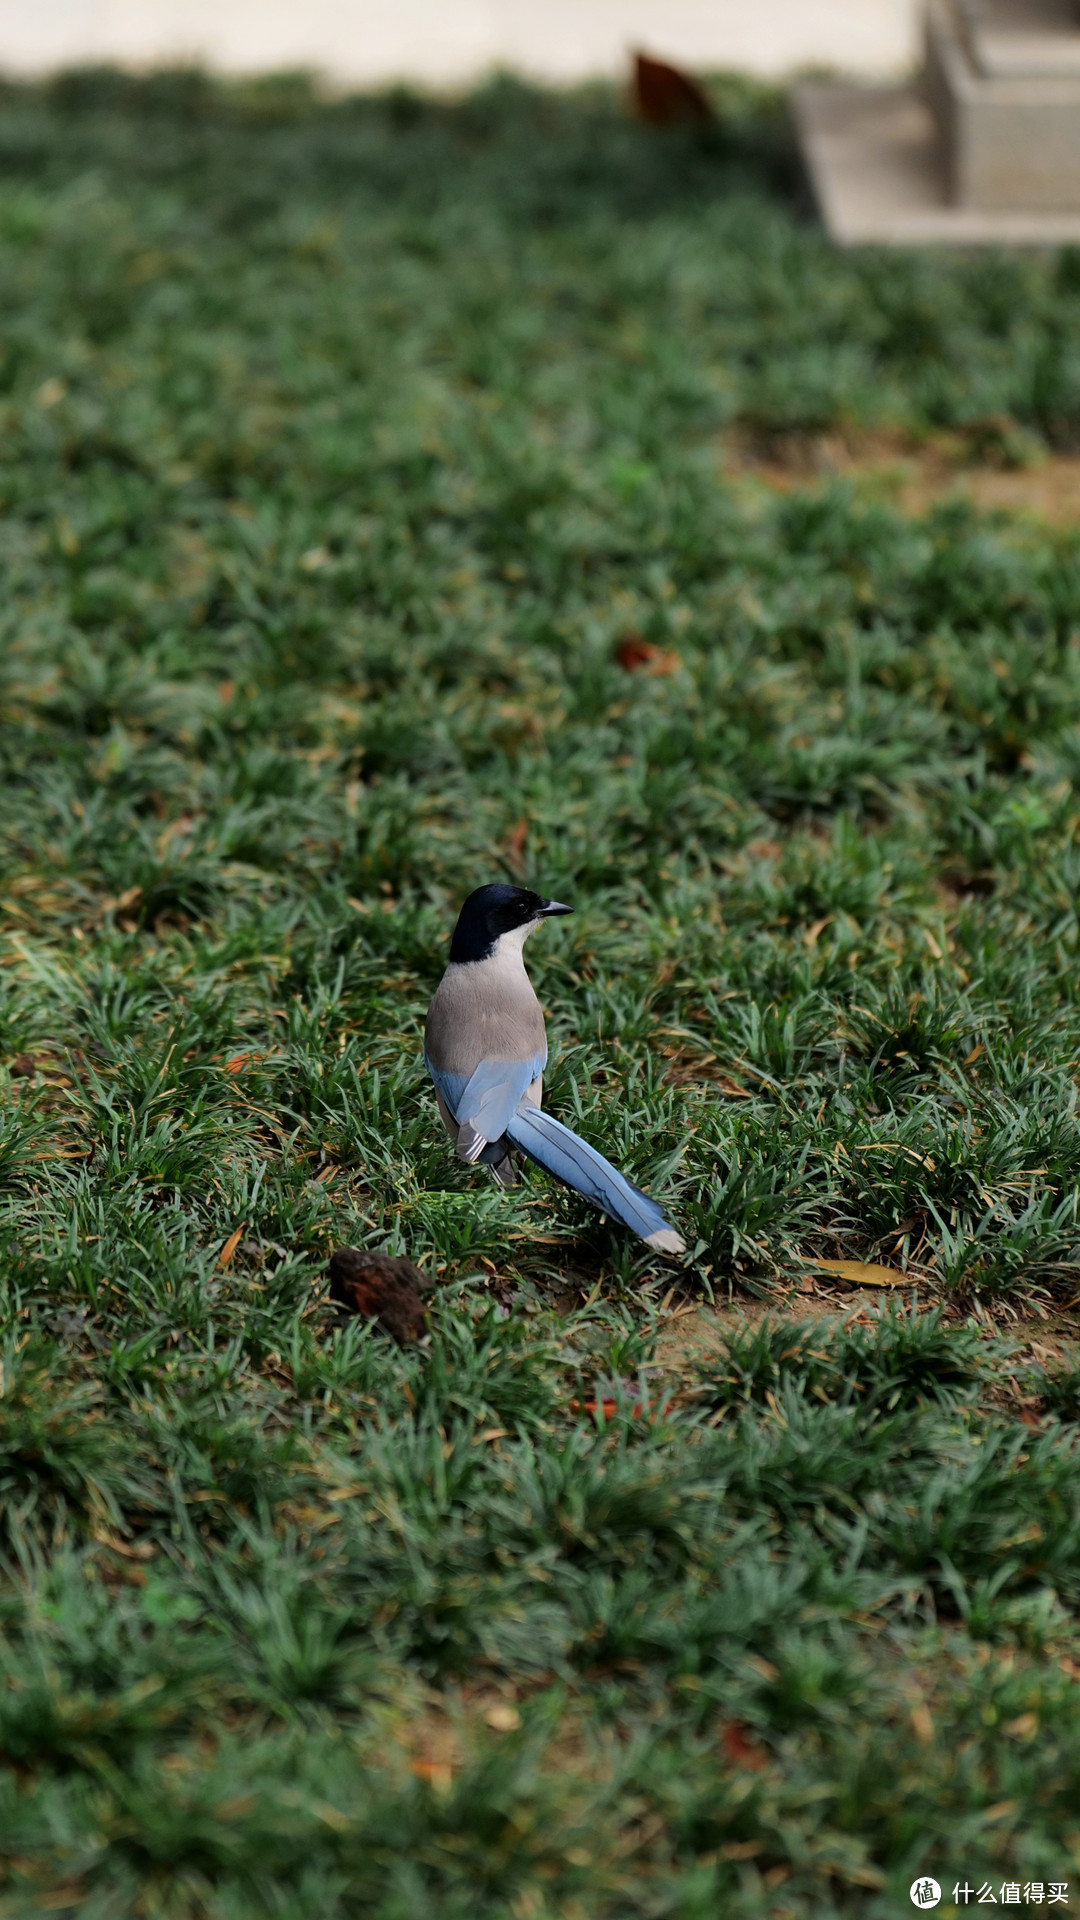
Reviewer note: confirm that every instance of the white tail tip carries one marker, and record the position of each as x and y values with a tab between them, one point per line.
666	1240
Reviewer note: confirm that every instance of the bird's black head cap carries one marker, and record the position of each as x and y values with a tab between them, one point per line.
492	911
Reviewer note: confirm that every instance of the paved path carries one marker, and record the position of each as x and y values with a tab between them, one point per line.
445	42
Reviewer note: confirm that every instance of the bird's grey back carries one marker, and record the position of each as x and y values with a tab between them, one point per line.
483	1010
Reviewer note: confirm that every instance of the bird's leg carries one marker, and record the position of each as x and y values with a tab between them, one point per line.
498	1157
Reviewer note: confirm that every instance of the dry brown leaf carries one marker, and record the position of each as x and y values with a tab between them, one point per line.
922	1723
503	1718
51	392
732	1088
437	1772
664	96
177	828
813	934
741	1751
235	1809
230	1246
241	1060
72	1894
1000	1811
129	1550
863	1273
635	654
1024	1726
685	1064
125	899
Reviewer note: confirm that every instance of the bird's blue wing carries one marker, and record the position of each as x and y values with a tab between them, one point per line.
450	1086
491	1098
484	1103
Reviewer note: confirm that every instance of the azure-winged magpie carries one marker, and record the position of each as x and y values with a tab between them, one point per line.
486	1051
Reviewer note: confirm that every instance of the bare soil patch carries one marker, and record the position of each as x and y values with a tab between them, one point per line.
694	1332
916	476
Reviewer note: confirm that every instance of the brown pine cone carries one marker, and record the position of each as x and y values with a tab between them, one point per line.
382	1287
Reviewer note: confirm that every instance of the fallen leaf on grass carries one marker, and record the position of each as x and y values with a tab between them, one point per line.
235	1809
742	1752
638	655
862	1273
121	901
44	1065
897	1146
51	392
230	1246
241	1060
503	1718
686	1065
330	1816
181	826
438	1774
71	1895
814	933
1000	1811
1023	1727
922	1723
129	1550
607	1408
664	96
763	1667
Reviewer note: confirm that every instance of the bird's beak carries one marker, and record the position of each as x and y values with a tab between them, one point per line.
551	908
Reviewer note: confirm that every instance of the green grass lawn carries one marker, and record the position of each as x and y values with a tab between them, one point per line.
342	447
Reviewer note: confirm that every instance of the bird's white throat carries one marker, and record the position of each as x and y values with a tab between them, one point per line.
506	961
508	946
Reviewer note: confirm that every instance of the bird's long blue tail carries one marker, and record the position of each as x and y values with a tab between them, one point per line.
571	1160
